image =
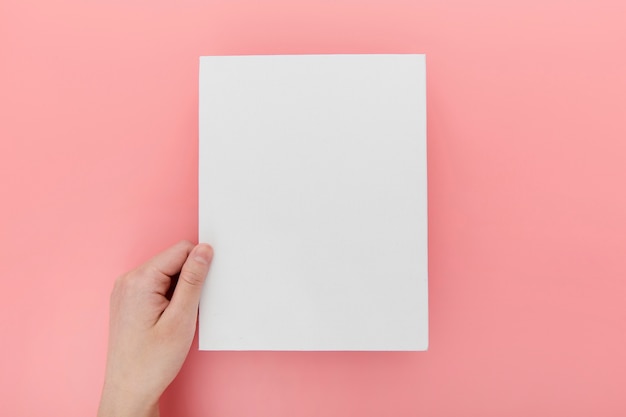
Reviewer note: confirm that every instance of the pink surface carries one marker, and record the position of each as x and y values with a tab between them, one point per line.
527	143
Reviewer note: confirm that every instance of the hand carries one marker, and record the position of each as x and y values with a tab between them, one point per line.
149	333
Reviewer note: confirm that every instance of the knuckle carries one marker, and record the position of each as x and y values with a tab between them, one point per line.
145	270
119	289
186	244
193	277
160	280
120	283
132	281
121	280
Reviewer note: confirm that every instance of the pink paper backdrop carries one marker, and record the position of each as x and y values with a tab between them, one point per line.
527	151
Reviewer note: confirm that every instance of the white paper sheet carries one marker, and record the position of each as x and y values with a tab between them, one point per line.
312	190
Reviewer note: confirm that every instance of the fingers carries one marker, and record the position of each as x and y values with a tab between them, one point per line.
170	261
189	287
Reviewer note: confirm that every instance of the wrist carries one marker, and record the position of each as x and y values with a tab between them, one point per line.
119	402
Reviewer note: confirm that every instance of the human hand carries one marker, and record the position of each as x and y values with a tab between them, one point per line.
149	334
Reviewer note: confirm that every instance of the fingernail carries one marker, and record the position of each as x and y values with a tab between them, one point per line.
203	253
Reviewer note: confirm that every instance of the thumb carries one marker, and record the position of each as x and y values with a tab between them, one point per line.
186	296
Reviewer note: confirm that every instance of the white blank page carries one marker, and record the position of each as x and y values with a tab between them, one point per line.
312	191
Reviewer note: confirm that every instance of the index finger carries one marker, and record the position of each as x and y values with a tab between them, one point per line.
171	260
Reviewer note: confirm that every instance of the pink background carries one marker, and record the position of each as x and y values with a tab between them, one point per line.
527	154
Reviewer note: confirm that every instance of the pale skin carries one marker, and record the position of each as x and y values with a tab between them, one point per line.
150	334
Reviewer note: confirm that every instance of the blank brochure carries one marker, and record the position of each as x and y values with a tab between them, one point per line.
312	191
